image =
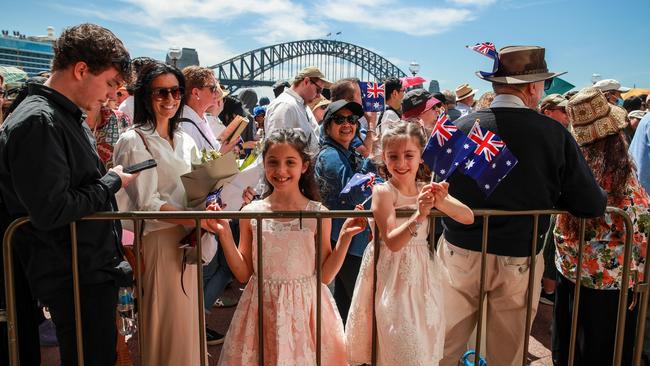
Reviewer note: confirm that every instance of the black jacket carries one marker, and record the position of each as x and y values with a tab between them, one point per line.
551	174
50	172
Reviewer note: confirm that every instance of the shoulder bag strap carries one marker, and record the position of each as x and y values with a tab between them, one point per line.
181	120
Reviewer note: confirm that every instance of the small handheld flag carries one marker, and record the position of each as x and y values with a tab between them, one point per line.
487	49
372	95
359	188
447	148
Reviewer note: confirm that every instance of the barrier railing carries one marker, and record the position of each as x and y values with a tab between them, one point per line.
138	217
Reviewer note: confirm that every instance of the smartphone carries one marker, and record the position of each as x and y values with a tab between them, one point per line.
147	164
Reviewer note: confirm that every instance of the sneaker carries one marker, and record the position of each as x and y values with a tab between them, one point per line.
225	302
213	337
47	334
546	298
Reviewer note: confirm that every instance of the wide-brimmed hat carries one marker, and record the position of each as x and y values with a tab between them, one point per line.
521	65
553	101
416	102
593	117
609	85
463	91
313	72
319	102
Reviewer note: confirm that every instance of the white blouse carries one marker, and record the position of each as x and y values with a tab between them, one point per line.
162	184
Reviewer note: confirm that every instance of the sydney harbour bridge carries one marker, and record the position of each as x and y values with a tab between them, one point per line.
264	66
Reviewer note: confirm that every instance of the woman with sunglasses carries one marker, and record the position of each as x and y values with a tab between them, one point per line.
169	315
336	163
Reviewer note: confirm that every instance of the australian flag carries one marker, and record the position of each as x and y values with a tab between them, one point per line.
490	160
359	188
487	49
447	148
372	95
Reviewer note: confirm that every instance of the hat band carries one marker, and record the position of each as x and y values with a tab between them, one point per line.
525	72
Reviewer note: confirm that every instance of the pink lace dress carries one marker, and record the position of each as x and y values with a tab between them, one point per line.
410	324
289	301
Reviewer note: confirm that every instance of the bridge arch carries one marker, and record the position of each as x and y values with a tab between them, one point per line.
257	67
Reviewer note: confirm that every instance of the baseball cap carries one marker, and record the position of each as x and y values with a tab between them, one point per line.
259	110
553	101
416	102
313	72
637	114
334	107
610	84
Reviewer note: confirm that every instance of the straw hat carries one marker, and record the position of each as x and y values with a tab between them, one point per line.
464	90
593	117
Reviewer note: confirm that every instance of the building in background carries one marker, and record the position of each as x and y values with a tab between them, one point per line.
188	57
32	54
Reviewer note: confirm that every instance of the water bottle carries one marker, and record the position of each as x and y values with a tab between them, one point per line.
125	309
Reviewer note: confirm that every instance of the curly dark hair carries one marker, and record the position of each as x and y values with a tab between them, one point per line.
97	46
143	114
612	166
295	138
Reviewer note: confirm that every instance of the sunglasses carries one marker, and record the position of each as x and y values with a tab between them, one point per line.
339	120
548	83
164	93
319	88
213	87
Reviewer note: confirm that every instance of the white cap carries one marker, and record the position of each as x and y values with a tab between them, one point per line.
610	84
637	114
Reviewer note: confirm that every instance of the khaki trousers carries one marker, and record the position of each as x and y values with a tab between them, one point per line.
506	284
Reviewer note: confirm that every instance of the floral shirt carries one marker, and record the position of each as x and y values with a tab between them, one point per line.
602	261
108	131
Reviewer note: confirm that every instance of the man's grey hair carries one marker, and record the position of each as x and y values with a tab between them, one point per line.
450	96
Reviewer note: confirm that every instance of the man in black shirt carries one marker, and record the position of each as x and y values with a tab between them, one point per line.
50	171
551	173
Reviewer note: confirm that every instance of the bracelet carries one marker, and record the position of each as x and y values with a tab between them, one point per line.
414	233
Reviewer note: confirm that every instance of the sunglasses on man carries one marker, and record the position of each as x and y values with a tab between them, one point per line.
319	88
213	88
548	83
164	93
339	120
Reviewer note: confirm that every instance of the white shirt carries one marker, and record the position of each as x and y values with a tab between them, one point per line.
464	109
215	124
507	101
202	124
388	119
288	110
162	184
127	106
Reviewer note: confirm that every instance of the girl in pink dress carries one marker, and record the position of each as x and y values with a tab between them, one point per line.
408	299
289	274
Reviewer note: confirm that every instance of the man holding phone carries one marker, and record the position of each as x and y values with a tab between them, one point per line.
50	172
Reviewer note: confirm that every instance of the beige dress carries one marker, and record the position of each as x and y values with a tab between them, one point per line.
169	317
408	303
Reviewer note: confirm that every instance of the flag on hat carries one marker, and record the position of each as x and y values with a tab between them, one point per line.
372	95
486	165
359	188
489	50
447	148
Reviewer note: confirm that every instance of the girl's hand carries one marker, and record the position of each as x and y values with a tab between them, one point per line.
360	207
217	226
353	226
440	191
248	195
426	200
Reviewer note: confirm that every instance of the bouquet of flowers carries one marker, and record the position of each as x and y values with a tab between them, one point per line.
214	171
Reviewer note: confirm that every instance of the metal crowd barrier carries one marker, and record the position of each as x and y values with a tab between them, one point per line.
138	217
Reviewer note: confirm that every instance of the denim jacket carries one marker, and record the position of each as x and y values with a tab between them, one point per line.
334	167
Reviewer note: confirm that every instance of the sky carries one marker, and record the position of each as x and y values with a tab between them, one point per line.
583	37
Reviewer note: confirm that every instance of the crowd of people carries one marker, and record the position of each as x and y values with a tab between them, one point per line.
66	140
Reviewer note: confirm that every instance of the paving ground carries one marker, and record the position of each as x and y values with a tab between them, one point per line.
219	320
